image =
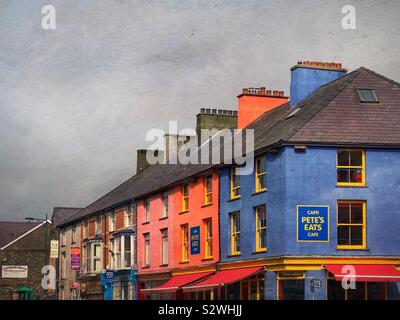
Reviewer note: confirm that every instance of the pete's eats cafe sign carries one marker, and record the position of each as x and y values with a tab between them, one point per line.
312	223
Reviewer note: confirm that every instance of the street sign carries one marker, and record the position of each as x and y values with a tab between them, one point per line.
312	223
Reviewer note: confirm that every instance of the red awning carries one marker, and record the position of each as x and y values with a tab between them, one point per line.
176	282
366	272
222	278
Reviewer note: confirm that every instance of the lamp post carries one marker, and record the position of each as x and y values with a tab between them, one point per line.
45	240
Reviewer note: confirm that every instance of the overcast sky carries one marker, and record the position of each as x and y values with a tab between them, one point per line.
76	102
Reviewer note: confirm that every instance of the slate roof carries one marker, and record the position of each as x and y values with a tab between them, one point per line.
330	115
61	214
9	231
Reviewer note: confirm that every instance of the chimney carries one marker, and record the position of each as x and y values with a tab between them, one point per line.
307	76
253	102
141	160
223	119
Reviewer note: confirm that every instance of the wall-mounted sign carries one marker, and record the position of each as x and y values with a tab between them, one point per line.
195	240
53	249
14	271
109	274
75	258
312	223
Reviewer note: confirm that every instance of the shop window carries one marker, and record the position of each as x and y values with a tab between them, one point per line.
164	246
164	204
208	238
261	229
208	190
362	291
252	288
235	233
350	167
185	197
235	184
146	237
185	242
261	174
291	286
351	224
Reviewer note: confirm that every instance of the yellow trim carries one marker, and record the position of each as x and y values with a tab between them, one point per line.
259	175
185	242
363	225
208	238
297	222
233	188
234	234
185	198
362	167
194	270
260	229
207	192
258	279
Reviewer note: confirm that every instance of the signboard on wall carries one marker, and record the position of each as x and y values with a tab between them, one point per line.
195	240
14	272
312	223
75	258
53	249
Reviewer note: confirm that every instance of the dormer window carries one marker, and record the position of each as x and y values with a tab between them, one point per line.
367	96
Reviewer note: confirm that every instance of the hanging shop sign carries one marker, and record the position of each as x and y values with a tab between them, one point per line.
53	249
312	223
75	258
14	272
195	240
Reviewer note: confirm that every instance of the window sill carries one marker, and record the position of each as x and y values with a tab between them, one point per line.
234	255
347	248
259	192
206	205
184	262
234	199
259	251
146	267
163	218
183	212
144	223
351	186
207	259
163	265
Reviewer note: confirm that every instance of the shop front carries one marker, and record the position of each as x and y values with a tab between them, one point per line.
150	281
119	284
90	287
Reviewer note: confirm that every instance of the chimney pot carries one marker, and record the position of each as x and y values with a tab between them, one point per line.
262	91
268	92
208	110
203	110
275	93
281	93
214	111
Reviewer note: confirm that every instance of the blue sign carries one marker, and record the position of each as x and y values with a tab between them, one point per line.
109	274
195	240
312	223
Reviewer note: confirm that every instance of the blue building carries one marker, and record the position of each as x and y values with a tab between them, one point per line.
322	204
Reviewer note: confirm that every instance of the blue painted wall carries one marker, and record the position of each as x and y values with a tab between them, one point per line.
310	178
304	81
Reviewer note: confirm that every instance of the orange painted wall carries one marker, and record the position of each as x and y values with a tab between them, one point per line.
194	217
250	107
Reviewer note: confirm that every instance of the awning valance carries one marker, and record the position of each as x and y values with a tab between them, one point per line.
222	278
365	272
176	282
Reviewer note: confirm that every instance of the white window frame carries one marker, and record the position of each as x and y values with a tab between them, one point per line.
63	238
118	249
164	253
91	258
165	204
147	251
97	224
73	234
112	221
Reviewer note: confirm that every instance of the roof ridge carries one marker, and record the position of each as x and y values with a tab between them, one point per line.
352	76
380	75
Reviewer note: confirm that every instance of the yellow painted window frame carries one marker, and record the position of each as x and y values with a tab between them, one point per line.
185	242
260	175
185	198
233	188
260	229
364	225
207	192
279	278
332	278
234	234
258	279
208	238
362	167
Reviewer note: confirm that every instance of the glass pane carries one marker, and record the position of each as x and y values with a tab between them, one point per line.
356	213
358	293
356	235
343	213
96	251
237	242
367	95
245	290
343	175
261	165
343	158
356	158
343	235
253	290
261	217
376	291
209	184
355	175
127	243
262	182
335	290
261	289
291	290
263	238
127	257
